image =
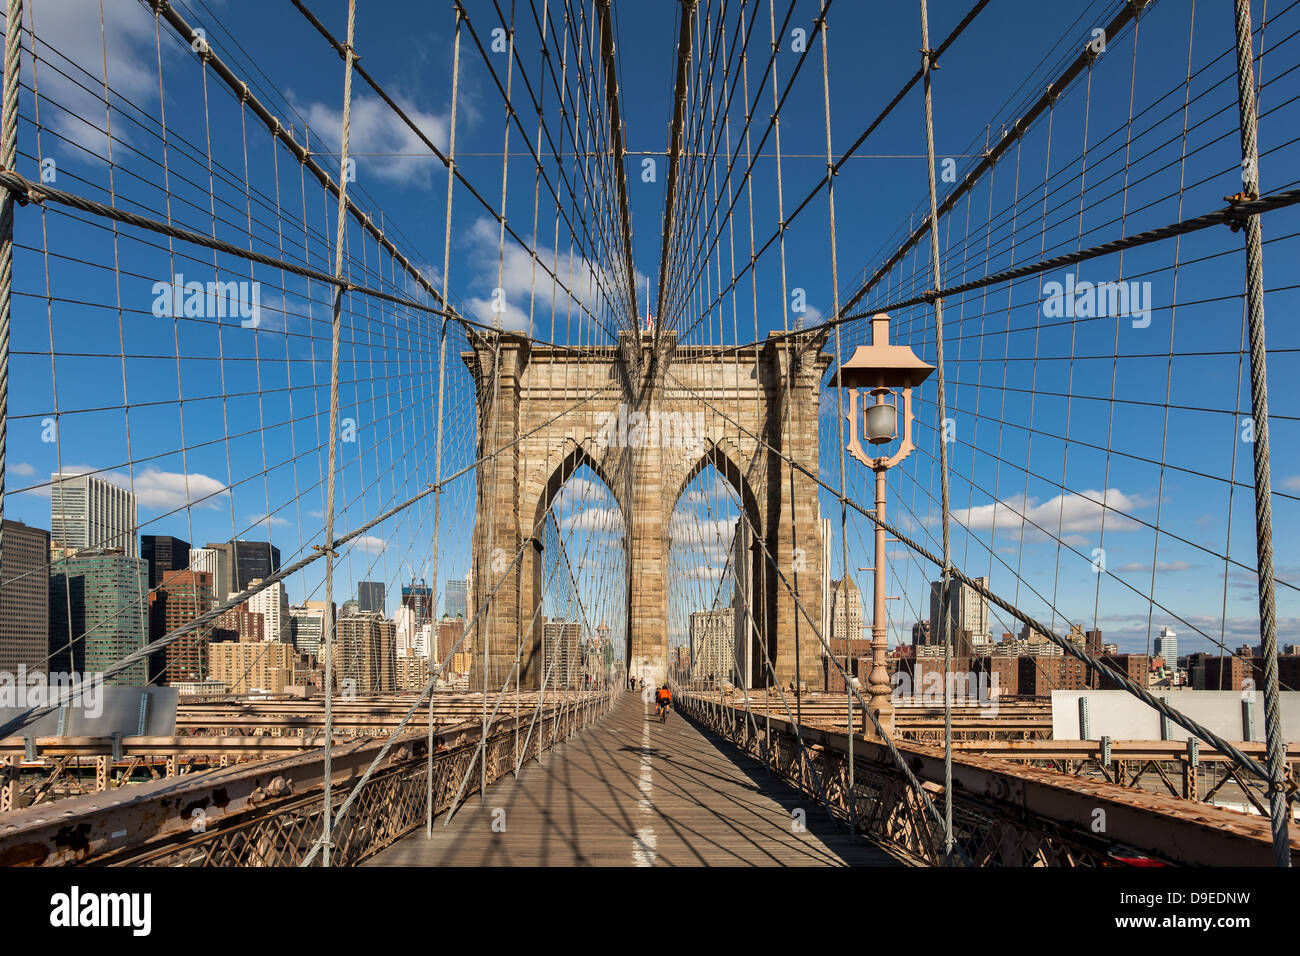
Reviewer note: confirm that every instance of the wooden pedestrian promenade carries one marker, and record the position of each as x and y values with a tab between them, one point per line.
629	791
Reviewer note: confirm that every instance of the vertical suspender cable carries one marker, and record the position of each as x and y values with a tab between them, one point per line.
790	353
442	386
945	622
1279	811
8	156
839	363
326	824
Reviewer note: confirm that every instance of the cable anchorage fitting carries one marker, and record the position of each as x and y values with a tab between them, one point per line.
324	549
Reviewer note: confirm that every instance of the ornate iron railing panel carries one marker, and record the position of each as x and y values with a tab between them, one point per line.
1004	814
270	813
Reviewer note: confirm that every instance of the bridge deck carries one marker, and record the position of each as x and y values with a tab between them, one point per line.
632	792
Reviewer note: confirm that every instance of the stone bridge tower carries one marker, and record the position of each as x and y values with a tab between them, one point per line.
647	418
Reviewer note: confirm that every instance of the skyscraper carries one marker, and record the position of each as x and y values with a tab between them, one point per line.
98	613
308	626
968	610
244	562
457	600
245	667
1166	646
370	596
413	637
239	624
711	645
366	654
418	596
87	512
181	596
212	561
164	554
273	604
560	652
747	653
449	631
24	598
846	611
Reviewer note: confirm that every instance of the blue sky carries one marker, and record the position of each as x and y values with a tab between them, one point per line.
260	474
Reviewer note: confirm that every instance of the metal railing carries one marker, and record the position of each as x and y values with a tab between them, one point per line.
1003	814
270	813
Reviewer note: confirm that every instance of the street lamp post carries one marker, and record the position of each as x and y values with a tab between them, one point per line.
886	370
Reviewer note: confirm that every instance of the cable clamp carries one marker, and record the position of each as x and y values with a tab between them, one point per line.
1233	218
930	296
325	550
26	191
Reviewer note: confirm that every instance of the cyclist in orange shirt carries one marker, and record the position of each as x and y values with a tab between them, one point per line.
664	700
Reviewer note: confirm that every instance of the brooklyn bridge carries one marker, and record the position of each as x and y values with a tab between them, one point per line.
904	490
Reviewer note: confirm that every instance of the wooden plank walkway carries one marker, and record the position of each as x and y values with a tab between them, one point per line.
629	791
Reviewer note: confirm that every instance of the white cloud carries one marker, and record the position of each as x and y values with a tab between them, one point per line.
71	27
165	490
156	489
1292	483
809	317
1135	566
592	519
713	489
1070	515
511	317
271	521
22	468
578	490
274	313
370	544
375	128
584	504
689	530
512	269
706	572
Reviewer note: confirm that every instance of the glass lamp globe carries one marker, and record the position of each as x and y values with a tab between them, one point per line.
880	422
